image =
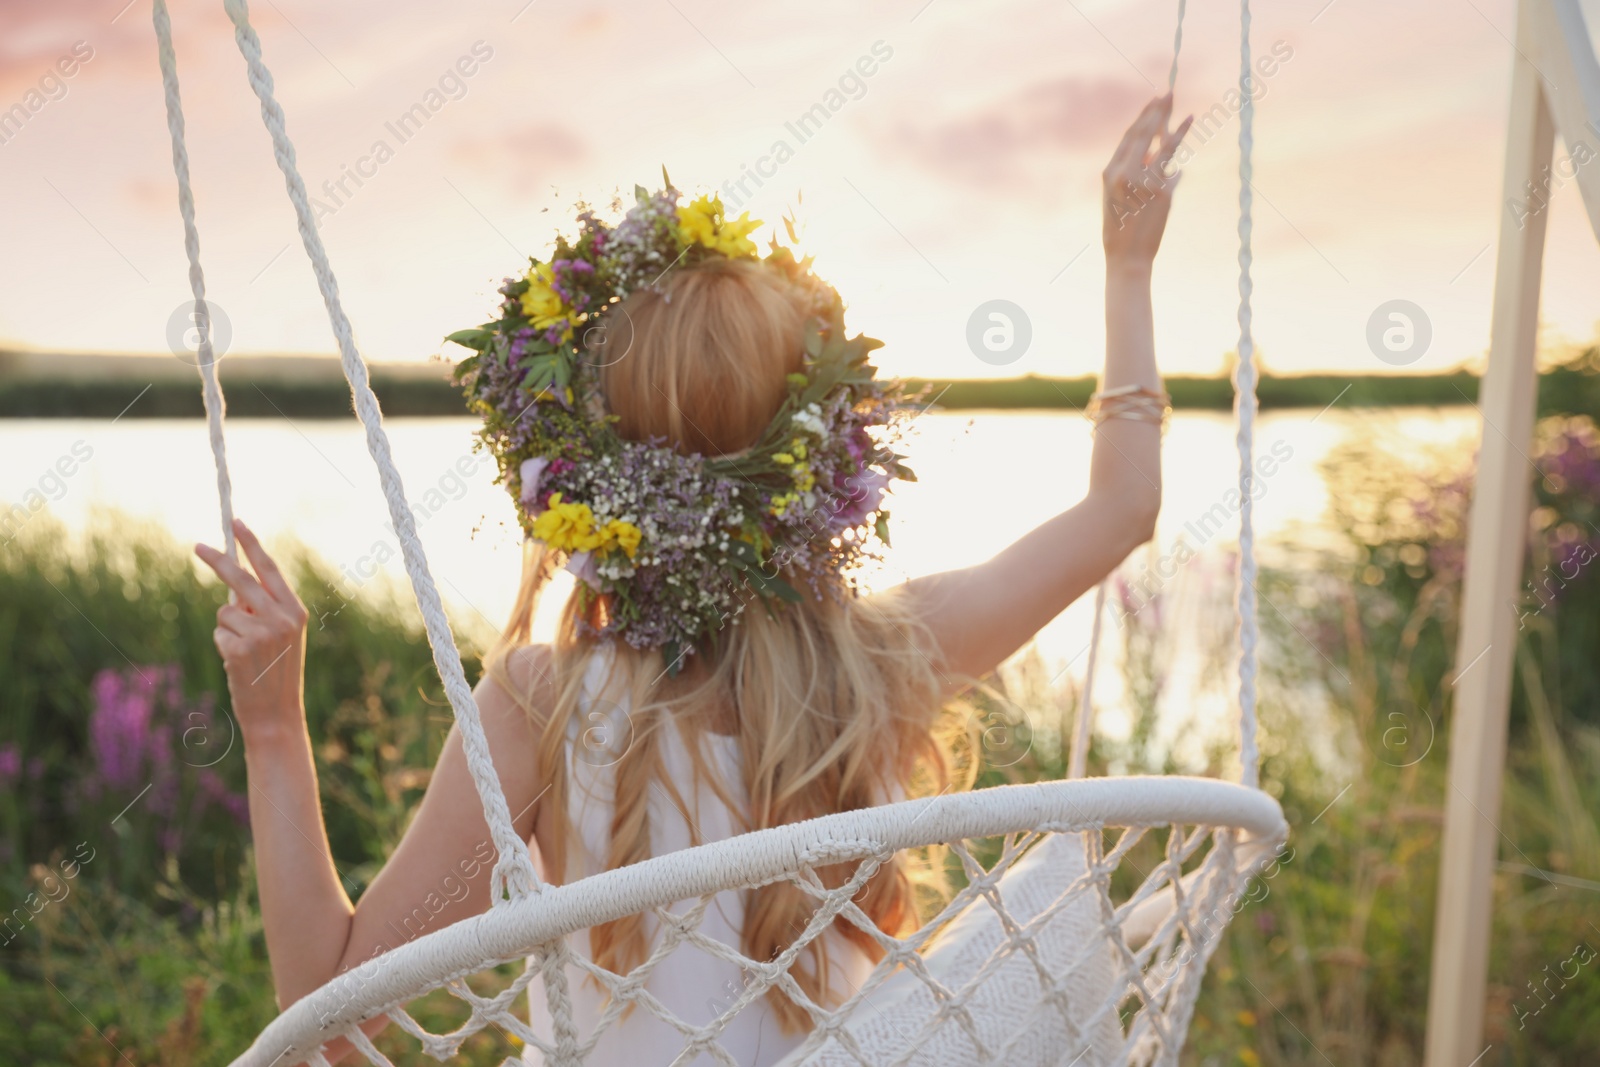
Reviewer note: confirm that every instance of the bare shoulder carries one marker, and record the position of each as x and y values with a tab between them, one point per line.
519	685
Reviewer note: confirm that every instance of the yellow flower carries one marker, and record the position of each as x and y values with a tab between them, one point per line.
624	535
703	222
798	448
564	395
697	222
541	303
1246	1018
804	480
781	502
1248	1057
733	236
782	458
566	527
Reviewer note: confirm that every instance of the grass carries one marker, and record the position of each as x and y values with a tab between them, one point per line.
154	951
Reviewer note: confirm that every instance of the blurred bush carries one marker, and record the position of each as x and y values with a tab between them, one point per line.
134	935
124	863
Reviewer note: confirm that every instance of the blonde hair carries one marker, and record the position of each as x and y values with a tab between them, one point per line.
834	704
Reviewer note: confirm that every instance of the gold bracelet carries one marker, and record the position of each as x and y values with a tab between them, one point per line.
1126	390
1130	402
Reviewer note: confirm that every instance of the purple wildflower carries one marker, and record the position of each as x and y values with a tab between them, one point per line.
119	728
863	494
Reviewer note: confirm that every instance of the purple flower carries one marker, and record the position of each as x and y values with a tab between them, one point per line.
858	443
530	474
863	494
119	728
10	765
582	565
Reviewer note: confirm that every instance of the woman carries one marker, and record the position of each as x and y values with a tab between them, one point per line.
729	719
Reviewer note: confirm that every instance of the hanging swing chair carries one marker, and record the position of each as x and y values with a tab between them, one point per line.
1034	960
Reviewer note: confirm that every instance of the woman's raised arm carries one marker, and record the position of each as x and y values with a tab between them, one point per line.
980	615
439	873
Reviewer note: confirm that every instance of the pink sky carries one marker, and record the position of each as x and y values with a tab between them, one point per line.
964	168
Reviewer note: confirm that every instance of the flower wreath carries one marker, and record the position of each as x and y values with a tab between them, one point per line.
672	544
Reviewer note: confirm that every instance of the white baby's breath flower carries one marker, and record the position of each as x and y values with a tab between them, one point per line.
808	419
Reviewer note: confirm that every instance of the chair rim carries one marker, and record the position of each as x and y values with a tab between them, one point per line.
512	930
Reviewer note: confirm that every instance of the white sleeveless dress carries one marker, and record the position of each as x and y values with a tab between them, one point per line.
694	986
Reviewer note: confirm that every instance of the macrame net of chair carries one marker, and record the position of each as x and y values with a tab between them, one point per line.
1039	953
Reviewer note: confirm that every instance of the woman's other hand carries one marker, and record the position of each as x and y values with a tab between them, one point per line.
1138	184
261	634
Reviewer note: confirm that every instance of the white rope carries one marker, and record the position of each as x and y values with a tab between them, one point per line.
514	875
1078	762
1177	46
1244	404
1052	938
514	872
210	389
1244	413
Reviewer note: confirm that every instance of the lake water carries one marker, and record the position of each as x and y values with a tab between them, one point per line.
985	478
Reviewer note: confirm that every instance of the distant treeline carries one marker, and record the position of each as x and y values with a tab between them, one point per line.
1570	388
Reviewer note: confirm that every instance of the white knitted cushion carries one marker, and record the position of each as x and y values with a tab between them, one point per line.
1007	1010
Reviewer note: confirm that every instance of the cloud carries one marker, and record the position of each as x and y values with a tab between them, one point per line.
34	34
525	156
995	146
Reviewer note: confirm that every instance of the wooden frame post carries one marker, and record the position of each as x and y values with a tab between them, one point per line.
1555	77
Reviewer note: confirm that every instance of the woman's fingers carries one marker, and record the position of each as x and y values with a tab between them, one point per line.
1136	141
237	620
1138	136
241	581
265	566
1170	143
228	643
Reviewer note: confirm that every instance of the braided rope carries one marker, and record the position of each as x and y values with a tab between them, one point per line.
211	391
1177	46
514	872
514	876
1077	764
1244	406
1244	414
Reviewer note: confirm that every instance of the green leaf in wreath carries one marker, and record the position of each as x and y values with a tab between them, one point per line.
475	339
813	339
786	591
743	554
542	372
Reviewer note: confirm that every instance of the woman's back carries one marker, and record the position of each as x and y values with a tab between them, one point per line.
686	426
693	982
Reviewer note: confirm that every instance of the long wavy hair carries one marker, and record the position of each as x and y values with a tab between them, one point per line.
835	705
